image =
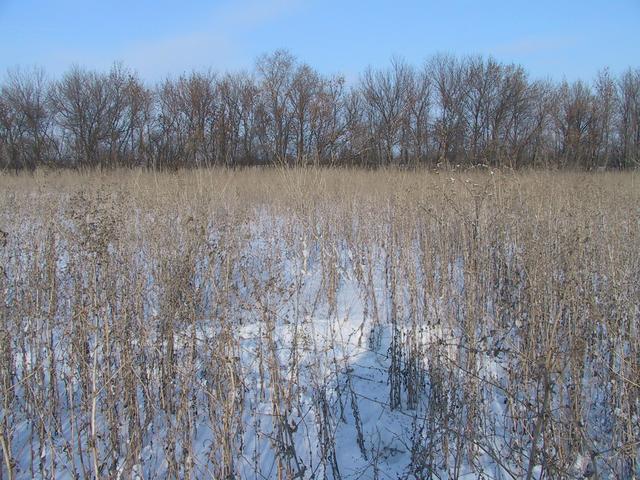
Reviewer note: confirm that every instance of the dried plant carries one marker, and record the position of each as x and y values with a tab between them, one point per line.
319	323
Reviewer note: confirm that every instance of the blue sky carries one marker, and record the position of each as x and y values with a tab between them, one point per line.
555	39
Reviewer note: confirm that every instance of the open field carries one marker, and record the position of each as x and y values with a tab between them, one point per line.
338	324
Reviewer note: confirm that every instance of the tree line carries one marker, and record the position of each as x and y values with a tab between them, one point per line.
450	111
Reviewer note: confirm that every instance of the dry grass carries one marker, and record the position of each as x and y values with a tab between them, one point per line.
506	308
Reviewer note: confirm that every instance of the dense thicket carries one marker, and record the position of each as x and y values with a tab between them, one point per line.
451	110
319	324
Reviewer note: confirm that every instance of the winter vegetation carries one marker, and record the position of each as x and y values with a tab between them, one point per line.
449	111
320	323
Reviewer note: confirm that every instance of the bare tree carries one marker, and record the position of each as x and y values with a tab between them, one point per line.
573	119
327	120
187	116
230	119
605	104
98	114
521	118
276	76
385	93
418	116
304	92
79	102
139	112
466	110
629	118
449	80
25	121
483	80
357	142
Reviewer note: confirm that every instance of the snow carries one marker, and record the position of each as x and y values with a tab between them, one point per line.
330	357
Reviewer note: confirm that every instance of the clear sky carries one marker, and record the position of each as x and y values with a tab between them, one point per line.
556	39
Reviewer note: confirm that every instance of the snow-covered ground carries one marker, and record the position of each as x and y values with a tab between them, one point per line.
296	353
